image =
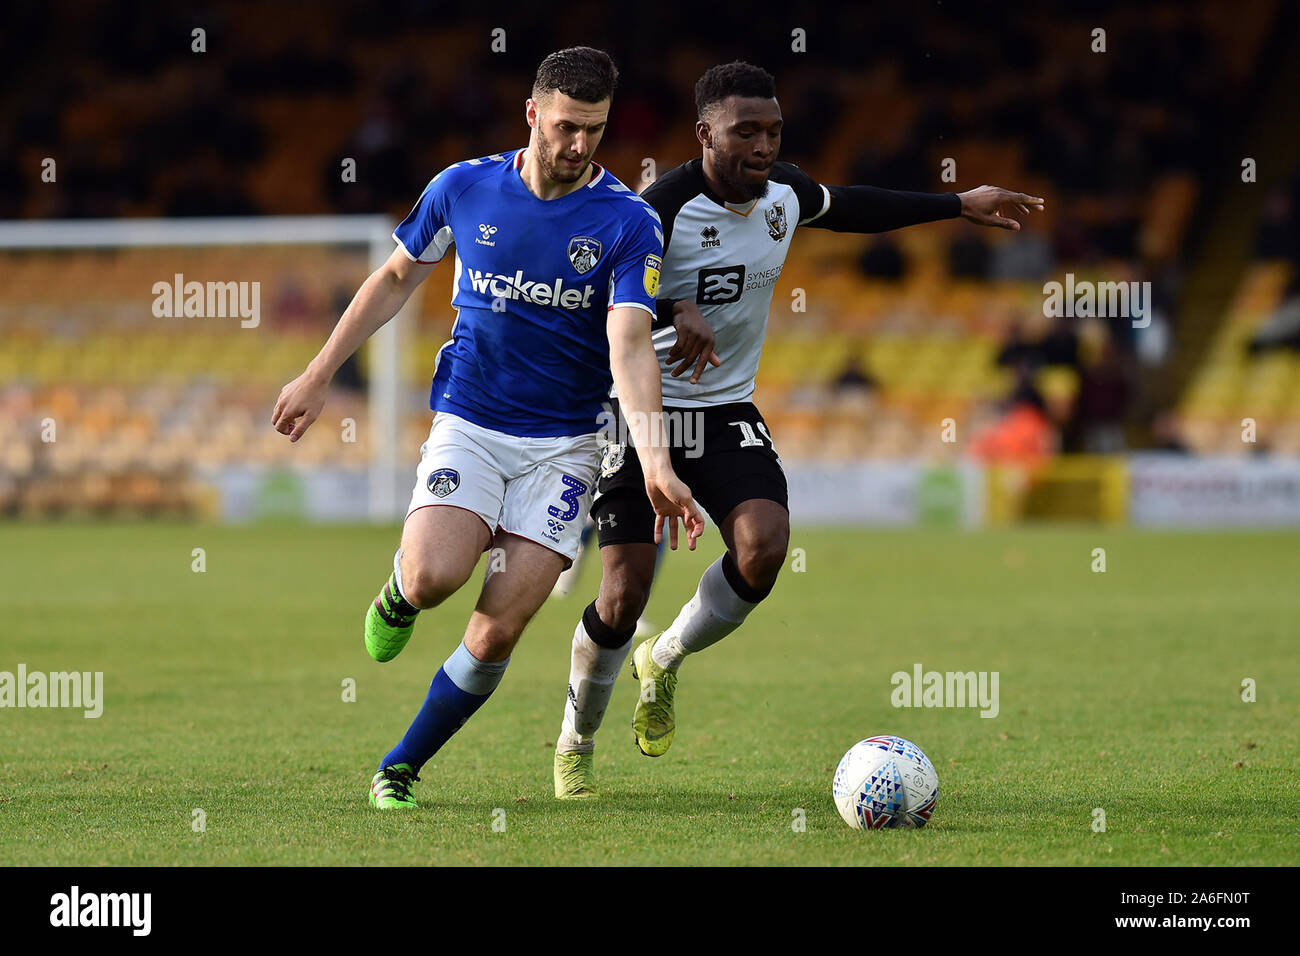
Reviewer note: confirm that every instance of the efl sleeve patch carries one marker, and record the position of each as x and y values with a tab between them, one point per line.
653	265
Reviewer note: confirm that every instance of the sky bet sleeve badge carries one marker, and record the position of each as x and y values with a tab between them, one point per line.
652	266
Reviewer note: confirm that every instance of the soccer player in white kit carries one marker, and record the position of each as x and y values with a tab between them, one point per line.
728	219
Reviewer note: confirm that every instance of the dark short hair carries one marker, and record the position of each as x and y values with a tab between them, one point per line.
732	79
585	73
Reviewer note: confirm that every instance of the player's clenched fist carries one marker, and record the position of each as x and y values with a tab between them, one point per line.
672	500
299	405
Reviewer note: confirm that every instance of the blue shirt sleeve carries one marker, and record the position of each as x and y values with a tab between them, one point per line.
634	279
425	234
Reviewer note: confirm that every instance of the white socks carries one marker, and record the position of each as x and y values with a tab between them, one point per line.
713	613
591	683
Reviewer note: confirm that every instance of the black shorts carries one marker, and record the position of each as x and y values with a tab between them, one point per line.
723	452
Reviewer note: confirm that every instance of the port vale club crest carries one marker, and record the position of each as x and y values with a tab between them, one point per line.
584	253
612	459
775	216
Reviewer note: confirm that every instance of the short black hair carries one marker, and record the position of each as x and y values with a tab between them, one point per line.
585	73
732	79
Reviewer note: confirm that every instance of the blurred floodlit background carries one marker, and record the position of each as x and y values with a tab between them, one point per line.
915	379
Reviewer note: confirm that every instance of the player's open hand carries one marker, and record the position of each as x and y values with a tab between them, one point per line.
672	500
694	345
985	206
299	405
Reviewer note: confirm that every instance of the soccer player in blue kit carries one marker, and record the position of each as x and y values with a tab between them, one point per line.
557	268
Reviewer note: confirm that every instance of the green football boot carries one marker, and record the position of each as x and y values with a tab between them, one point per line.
653	721
390	619
575	775
391	788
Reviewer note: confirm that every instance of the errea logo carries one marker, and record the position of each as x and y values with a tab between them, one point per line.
709	237
487	233
539	293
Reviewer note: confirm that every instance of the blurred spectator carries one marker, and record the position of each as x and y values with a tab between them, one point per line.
1061	344
1281	330
1023	436
1153	344
854	377
1025	390
349	375
1166	433
1018	350
197	194
882	259
383	158
902	168
1278	228
292	308
1024	255
1105	391
968	256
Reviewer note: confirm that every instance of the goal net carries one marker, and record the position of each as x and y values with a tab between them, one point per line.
140	361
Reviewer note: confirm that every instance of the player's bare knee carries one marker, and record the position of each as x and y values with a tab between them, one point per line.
760	558
621	610
427	587
622	599
494	639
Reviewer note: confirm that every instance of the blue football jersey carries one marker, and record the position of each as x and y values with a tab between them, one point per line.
534	280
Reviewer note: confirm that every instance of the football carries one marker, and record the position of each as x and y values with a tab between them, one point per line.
885	782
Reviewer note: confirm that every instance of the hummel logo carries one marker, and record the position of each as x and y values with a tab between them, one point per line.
710	237
488	232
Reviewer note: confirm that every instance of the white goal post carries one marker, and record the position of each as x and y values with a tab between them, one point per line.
372	232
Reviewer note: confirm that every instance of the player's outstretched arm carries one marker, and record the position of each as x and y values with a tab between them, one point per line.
635	366
378	300
984	206
866	209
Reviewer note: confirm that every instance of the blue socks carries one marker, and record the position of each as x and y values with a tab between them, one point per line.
461	686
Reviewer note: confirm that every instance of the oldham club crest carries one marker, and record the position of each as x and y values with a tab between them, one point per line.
775	216
584	253
443	482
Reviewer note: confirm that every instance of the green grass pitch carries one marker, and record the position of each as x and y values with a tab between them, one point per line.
224	693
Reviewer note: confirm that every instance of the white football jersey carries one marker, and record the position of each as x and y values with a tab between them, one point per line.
726	257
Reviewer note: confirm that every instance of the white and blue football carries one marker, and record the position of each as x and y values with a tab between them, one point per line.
885	782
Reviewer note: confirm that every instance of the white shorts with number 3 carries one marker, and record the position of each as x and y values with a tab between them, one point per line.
537	488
